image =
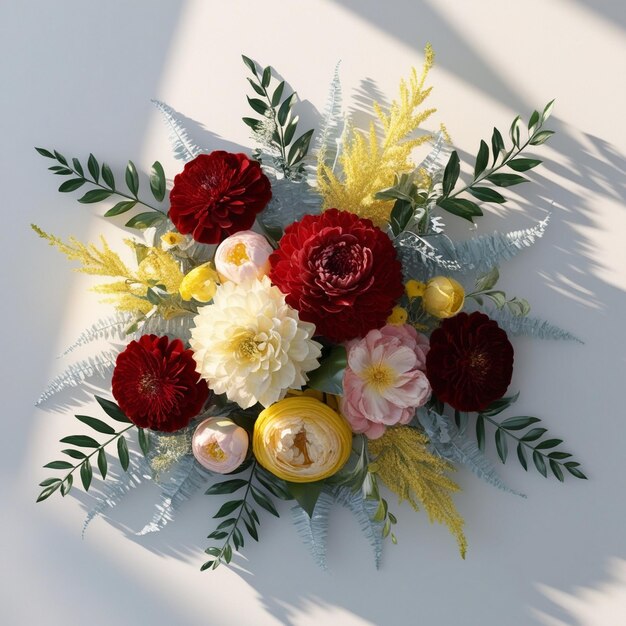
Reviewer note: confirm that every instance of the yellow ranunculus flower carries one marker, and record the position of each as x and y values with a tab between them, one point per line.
200	283
414	289
301	439
398	316
443	297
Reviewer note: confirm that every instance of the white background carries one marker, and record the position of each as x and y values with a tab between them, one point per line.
79	75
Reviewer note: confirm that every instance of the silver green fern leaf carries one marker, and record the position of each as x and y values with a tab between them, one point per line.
479	254
182	482
328	143
314	530
435	161
113	490
291	201
530	326
179	327
184	147
112	327
101	364
364	511
449	443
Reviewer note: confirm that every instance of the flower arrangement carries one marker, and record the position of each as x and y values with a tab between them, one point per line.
298	321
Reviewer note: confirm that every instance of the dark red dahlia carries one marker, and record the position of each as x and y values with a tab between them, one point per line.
338	271
470	362
156	384
218	194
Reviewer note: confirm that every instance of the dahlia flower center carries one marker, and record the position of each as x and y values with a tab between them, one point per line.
149	384
379	377
238	254
342	262
478	363
244	346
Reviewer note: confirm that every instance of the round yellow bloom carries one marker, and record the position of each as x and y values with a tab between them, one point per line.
414	289
443	297
301	439
398	316
200	283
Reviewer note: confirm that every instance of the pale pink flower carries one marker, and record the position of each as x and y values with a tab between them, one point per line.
385	381
220	445
243	256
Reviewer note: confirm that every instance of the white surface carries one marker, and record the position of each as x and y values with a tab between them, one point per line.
78	76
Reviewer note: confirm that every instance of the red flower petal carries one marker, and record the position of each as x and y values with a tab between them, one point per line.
470	362
340	272
217	195
156	384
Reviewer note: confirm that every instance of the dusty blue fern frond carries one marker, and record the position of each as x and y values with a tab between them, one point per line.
452	445
435	161
115	489
314	530
184	147
364	511
530	326
182	482
101	364
179	327
111	327
479	254
328	143
291	201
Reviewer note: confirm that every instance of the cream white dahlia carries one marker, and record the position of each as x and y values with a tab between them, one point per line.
251	345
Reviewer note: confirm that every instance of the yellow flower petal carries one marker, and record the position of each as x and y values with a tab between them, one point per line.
398	316
200	283
301	439
414	288
443	297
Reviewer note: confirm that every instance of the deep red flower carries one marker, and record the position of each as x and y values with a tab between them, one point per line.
156	384
338	271
470	362
218	194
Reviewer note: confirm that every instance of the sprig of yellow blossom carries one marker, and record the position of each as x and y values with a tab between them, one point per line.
402	462
129	292
370	164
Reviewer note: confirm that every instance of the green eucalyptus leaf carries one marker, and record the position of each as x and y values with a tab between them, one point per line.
263	501
258	105
144	440
86	474
227	486
290	131
299	148
506	180
66	485
328	377
78	168
59	465
122	452
518	423
486	194
460	207
102	463
306	494
257	88
285	107
523	165
488	280
481	159
533	121
540	464
112	410
120	207
534	433
400	217
278	94
547	111
549	443
480	432
60	158
145	220
252	123
541	137
45	153
451	174
267	77
96	424
71	185
95	195
82	441
501	445
575	472
514	131
93	167
75	454
228	507
107	176
556	470
250	63
132	178
157	181
48	491
521	455
497	144
497	406
252	531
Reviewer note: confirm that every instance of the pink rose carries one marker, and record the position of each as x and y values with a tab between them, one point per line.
219	444
385	381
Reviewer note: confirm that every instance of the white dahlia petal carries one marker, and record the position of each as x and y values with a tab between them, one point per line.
252	346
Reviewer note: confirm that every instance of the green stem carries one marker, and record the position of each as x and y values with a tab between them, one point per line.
507	157
115	191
